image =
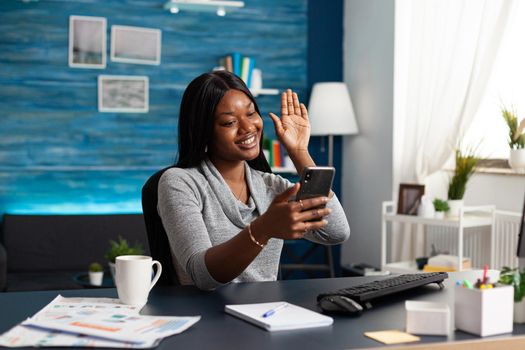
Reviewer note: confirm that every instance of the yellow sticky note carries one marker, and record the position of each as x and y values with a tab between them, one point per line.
392	337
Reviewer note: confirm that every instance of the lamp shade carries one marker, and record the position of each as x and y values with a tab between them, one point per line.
330	110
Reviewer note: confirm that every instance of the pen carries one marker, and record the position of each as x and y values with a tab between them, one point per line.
467	284
274	310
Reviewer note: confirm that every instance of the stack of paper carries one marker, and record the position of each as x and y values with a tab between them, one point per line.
278	316
94	322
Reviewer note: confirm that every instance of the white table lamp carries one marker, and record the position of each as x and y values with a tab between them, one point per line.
331	113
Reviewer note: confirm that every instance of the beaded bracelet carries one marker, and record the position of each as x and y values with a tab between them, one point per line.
253	238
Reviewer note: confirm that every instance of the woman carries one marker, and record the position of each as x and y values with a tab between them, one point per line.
224	212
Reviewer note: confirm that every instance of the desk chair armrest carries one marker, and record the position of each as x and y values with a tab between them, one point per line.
3	268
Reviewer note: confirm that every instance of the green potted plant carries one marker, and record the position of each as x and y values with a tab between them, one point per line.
118	248
516	279
441	207
96	274
516	139
465	167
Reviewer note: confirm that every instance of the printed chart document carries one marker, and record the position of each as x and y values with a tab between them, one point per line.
96	322
25	336
279	316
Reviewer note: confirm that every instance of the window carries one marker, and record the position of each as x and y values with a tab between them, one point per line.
506	87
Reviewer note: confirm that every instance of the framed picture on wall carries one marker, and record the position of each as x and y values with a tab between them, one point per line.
135	45
87	42
409	198
123	93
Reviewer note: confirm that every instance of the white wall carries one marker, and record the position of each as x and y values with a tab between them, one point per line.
367	157
506	192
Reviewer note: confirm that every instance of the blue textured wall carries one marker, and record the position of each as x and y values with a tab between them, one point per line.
325	63
59	154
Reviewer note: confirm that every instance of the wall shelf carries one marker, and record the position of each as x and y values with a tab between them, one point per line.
469	220
257	92
221	7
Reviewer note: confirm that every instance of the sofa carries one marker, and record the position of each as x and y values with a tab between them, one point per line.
45	252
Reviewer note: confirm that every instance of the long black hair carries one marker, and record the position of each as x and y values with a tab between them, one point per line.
197	113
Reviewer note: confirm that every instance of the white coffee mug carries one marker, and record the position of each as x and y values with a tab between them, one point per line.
133	278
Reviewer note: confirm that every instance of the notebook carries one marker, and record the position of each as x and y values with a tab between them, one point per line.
286	317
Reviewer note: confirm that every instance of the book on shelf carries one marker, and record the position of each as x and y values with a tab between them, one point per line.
228	65
245	66
276	149
236	62
284	156
276	155
240	65
248	63
435	268
446	263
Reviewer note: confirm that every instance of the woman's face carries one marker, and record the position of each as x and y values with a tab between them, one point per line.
237	128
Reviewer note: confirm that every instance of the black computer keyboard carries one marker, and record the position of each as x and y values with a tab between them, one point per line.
366	292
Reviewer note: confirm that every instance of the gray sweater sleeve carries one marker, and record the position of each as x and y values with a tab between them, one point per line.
335	232
180	206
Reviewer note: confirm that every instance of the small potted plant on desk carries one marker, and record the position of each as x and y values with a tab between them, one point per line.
118	248
516	279
465	167
516	140
96	274
441	207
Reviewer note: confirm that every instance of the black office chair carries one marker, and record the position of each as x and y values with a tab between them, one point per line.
158	240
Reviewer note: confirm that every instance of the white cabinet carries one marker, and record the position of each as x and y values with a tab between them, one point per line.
478	216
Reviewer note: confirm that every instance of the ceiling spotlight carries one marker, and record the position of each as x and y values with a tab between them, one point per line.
174	9
221	12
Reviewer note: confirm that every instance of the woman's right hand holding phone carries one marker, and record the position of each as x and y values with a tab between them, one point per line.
290	219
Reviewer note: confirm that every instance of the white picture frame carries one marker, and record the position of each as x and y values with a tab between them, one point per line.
123	93
136	45
87	42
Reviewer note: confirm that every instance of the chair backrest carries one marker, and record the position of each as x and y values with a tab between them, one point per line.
158	240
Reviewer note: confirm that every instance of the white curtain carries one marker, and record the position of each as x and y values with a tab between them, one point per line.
444	54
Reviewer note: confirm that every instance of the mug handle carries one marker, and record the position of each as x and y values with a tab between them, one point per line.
157	275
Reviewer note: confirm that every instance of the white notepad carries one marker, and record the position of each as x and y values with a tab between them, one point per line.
286	318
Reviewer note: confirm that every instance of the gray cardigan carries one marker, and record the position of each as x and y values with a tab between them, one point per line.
199	211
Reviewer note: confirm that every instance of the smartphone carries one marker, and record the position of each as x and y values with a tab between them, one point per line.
316	182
